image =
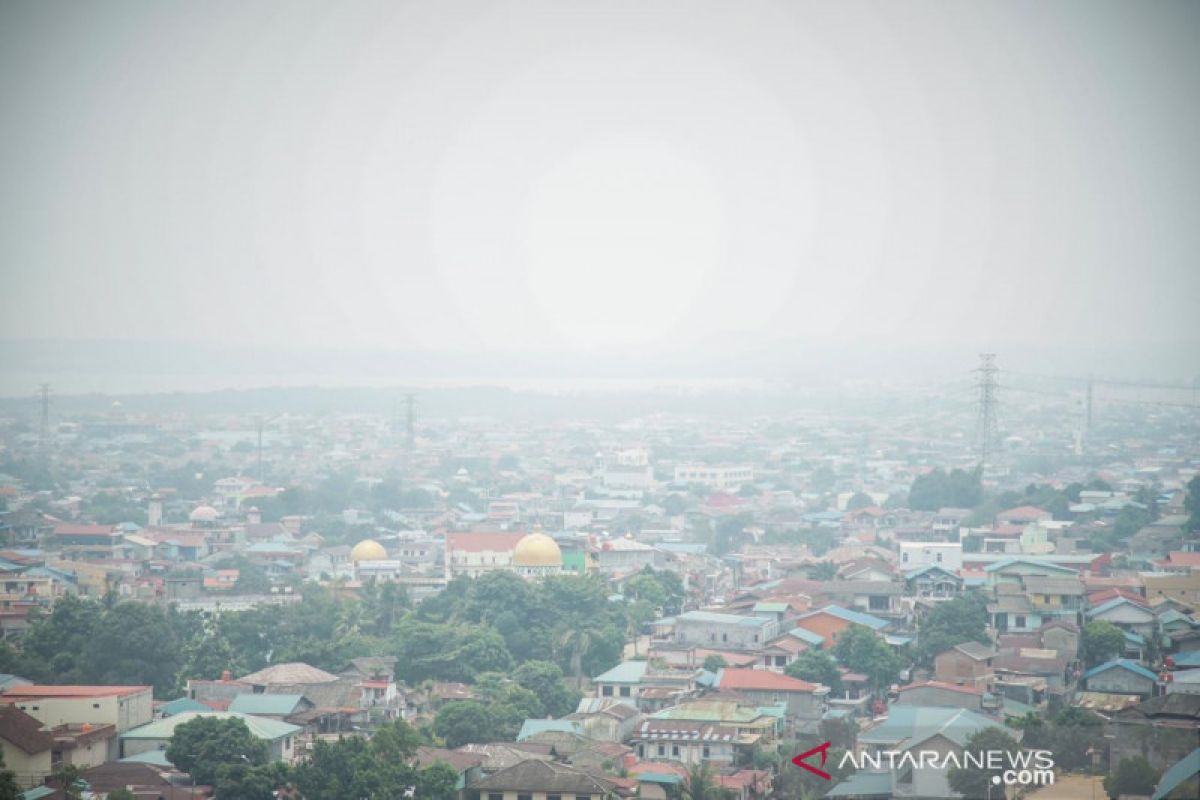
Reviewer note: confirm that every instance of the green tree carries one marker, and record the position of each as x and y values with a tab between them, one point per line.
9	789
545	680
119	794
67	778
962	619
699	784
1191	504
822	571
714	663
859	500
56	646
1100	642
245	782
816	666
975	783
860	650
208	655
939	489
202	745
1134	775
134	644
464	721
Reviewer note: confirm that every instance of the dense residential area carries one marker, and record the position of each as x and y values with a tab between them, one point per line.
669	605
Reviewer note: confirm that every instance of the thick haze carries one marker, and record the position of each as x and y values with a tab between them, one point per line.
604	178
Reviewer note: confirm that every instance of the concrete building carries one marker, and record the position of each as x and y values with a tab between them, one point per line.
474	553
714	476
947	555
725	630
26	747
279	736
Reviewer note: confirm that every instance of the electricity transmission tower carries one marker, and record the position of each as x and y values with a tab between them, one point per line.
986	427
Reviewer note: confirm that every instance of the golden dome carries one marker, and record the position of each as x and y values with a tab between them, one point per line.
537	550
368	550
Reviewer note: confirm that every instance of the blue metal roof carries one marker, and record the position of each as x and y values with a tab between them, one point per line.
1190	659
1116	601
625	672
534	726
805	635
1123	663
864	784
1179	772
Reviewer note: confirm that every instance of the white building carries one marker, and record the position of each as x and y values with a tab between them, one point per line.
914	555
715	476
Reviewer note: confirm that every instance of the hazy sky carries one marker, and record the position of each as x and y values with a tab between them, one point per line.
600	176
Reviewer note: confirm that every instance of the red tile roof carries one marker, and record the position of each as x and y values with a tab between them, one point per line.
38	690
1031	513
760	680
67	529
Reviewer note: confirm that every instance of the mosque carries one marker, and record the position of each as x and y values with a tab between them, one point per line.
532	556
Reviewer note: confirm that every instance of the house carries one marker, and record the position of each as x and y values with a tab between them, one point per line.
968	664
875	597
804	700
274	706
1012	610
725	630
535	779
1121	676
940	694
1182	779
1127	615
915	555
1182	587
279	736
933	582
690	742
1014	570
1055	597
919	728
644	686
1171	722
830	621
26	747
467	766
124	707
1023	515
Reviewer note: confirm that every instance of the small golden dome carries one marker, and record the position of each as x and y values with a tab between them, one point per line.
537	550
368	550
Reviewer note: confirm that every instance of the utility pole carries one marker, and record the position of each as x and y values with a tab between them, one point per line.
986	425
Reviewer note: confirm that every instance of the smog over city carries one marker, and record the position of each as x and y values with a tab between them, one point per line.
545	400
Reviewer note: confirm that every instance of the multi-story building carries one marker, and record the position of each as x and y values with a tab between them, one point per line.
715	476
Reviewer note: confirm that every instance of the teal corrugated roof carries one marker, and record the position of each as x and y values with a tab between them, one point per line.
263	728
272	705
625	672
181	704
1123	663
909	725
864	784
534	726
1179	772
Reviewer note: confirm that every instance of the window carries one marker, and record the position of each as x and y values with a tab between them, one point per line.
904	557
495	796
724	637
939	558
707	750
662	749
606	691
624	691
1020	623
554	797
95	705
524	797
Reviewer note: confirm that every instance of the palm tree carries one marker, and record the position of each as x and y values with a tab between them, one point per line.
577	642
700	785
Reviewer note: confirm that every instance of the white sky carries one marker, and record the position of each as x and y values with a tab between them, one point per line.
600	177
